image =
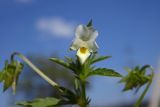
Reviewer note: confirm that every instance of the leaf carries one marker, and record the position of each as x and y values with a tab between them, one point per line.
94	60
105	72
89	23
1	76
61	62
8	75
68	94
40	102
143	69
69	60
136	78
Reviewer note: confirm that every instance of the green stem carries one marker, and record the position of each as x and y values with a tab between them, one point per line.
84	91
84	100
38	71
139	101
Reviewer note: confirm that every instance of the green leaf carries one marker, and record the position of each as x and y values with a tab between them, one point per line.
40	102
136	78
94	60
70	95
105	72
61	62
1	76
89	23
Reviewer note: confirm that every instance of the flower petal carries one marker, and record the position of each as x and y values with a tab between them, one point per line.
86	33
77	43
83	54
85	37
93	33
92	46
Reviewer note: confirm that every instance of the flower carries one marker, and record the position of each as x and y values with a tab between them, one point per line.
84	42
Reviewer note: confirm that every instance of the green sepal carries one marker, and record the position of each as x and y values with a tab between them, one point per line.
40	102
89	23
105	72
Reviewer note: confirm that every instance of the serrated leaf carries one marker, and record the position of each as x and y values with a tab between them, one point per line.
105	72
94	60
61	62
40	102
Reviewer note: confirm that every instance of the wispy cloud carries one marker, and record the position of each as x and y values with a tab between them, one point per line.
55	27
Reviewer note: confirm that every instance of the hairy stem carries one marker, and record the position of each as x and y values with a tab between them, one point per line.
38	71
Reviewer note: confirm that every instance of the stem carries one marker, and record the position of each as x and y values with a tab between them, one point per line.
139	101
38	71
84	100
84	91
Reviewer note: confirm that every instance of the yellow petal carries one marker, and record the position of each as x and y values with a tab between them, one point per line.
83	53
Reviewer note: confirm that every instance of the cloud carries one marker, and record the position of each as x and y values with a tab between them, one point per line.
58	27
23	1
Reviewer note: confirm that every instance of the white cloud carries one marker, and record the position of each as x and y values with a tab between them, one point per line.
55	27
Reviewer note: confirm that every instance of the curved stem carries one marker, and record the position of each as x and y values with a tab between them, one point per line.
38	71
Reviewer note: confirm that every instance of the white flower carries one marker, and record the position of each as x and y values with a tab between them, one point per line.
84	42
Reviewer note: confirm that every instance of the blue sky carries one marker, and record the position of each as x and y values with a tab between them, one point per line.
128	31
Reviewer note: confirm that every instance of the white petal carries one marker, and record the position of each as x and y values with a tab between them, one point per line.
92	46
80	30
94	34
77	43
86	33
83	57
85	37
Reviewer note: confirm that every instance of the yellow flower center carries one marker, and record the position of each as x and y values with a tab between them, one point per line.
83	50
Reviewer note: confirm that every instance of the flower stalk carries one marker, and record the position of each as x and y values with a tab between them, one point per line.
38	71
